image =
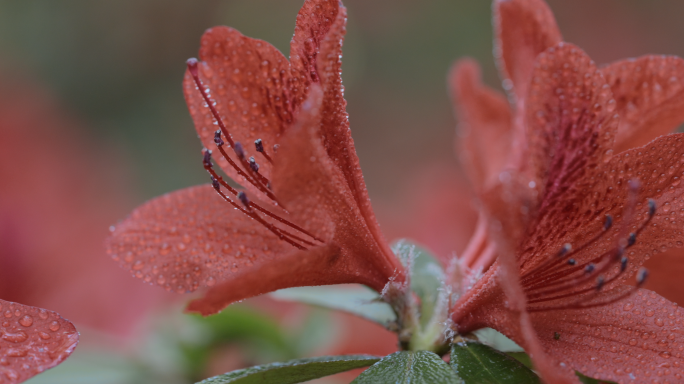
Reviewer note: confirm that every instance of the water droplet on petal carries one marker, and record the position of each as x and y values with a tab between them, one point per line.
26	321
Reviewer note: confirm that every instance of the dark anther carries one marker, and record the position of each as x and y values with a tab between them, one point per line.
207	158
567	247
572	262
589	268
632	239
239	151
642	275
243	198
217	138
608	223
623	263
651	207
253	164
600	282
556	336
192	66
259	145
215	184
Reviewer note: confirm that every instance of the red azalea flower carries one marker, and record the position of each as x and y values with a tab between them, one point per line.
584	195
280	129
52	216
31	339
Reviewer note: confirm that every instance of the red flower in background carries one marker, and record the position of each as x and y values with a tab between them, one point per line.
31	341
308	220
56	200
584	195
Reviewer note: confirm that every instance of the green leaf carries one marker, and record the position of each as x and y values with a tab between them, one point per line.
481	364
419	367
294	371
427	275
261	338
360	301
589	380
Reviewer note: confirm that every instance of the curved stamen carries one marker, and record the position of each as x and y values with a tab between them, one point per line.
259	145
566	252
566	274
259	183
217	181
581	303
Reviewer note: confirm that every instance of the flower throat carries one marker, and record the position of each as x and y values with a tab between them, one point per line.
292	233
562	276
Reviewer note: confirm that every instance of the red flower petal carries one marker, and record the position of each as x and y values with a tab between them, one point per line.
316	192
649	92
665	271
658	166
190	239
256	90
316	21
193	238
571	121
334	124
636	338
484	121
486	305
523	29
31	341
250	82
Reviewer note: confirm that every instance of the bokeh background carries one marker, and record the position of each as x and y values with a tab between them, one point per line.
113	70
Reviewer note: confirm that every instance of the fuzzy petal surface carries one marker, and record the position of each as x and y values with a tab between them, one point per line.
649	92
484	121
523	29
31	341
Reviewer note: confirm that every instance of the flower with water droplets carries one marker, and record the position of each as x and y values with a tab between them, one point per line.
579	191
31	341
279	128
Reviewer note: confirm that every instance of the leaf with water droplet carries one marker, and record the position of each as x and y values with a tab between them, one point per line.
414	367
478	363
294	371
358	301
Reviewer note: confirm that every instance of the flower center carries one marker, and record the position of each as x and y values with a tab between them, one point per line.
283	228
562	276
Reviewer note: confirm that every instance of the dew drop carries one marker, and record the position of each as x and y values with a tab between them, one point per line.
18	337
54	326
26	321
